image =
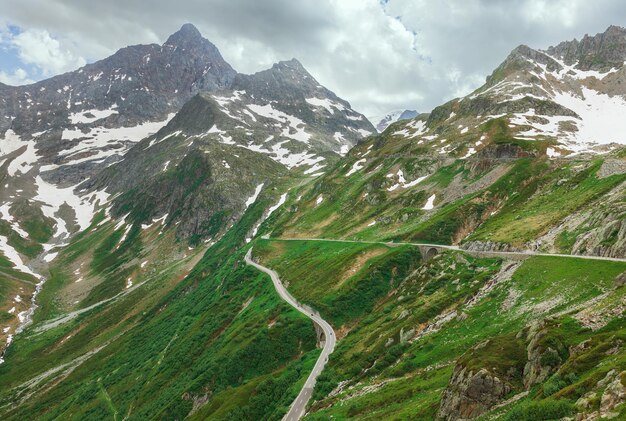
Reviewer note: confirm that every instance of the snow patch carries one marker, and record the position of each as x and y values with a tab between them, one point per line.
24	162
552	153
358	165
254	196
430	203
325	103
402	181
98	138
82	117
294	123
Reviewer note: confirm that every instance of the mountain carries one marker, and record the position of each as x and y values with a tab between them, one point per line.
90	116
382	122
267	122
530	163
453	162
470	260
169	133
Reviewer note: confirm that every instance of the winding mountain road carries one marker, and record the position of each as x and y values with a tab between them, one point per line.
299	404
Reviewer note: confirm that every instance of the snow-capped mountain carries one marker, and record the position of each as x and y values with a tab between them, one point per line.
282	112
83	119
381	122
71	142
569	99
267	123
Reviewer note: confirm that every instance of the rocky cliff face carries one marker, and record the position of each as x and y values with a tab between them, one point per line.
600	52
293	92
543	356
491	371
610	391
471	394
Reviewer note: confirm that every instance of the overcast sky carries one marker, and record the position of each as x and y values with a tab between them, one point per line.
379	55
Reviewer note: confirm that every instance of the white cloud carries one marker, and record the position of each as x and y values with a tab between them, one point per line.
18	77
39	48
379	55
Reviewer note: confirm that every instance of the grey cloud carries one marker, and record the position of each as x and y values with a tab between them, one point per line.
378	55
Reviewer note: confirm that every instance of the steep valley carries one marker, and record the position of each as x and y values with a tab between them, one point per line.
125	219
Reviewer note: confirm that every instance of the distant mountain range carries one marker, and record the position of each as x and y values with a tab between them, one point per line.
384	121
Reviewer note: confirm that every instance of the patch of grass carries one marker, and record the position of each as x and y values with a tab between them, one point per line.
325	273
541	410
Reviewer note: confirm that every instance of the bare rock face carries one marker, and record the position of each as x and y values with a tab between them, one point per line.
491	370
607	239
471	394
599	52
612	393
543	356
483	377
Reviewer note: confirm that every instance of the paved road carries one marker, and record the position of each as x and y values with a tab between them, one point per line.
490	253
298	406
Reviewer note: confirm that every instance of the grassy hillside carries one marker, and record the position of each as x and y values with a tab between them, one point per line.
380	192
217	343
395	360
138	322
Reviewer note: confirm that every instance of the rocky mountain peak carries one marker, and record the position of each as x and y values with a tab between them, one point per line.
290	69
292	64
601	52
187	34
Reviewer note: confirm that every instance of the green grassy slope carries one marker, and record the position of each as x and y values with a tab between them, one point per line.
394	360
220	335
496	196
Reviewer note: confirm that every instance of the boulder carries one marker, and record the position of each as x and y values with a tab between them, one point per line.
470	394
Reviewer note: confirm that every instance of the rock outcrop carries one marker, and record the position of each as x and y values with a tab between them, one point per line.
610	391
544	355
471	394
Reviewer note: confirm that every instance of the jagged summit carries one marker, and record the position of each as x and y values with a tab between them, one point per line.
294	64
288	69
187	34
601	52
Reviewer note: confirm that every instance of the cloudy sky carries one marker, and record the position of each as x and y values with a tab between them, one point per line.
380	55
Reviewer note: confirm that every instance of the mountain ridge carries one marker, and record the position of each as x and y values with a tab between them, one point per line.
72	150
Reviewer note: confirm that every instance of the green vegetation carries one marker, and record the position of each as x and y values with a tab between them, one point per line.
149	328
385	372
530	214
541	410
341	280
220	333
39	227
504	357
